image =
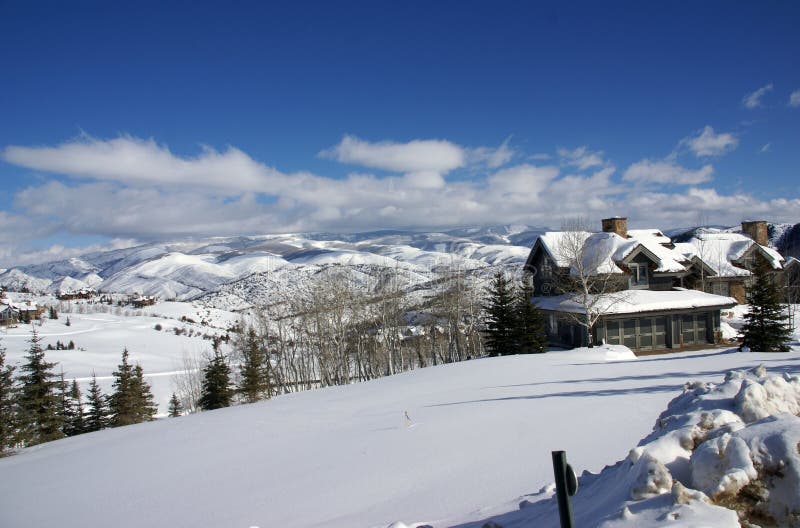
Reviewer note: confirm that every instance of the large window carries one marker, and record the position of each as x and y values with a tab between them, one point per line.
638	275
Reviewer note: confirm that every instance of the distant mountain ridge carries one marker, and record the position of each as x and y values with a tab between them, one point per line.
186	270
234	271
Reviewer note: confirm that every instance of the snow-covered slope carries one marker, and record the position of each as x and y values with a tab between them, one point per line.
477	444
189	269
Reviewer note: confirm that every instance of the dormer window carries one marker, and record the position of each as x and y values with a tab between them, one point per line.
638	275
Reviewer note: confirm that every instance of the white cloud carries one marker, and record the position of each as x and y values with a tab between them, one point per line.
765	148
709	143
753	100
581	157
666	172
428	155
131	160
115	189
794	99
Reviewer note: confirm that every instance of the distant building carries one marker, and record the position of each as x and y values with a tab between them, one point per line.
142	301
84	293
18	312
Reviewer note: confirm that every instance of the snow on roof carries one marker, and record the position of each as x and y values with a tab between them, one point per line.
720	250
636	301
603	251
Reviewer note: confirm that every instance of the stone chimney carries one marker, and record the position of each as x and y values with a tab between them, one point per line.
616	225
756	230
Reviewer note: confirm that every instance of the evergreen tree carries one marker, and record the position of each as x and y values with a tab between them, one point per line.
98	416
146	407
74	415
124	401
8	418
254	372
499	319
766	327
39	401
216	391
530	324
175	407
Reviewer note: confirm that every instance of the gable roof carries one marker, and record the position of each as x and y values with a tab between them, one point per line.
724	252
605	252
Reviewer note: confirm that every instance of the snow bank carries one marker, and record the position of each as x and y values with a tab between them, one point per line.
718	455
598	353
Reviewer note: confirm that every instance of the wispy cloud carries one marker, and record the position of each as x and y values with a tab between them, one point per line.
753	100
794	99
709	143
581	157
492	157
666	172
765	148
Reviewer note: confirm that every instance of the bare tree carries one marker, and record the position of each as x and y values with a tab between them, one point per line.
588	279
188	381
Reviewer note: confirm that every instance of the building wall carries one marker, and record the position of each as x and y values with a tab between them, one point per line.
642	332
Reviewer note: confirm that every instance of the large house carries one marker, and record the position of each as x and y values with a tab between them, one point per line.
646	292
18	312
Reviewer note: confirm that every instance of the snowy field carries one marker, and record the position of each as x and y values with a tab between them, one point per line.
478	442
99	338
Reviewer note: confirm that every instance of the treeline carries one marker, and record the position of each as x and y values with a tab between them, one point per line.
342	332
37	405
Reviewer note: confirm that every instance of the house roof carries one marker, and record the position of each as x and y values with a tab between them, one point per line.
605	252
722	250
637	301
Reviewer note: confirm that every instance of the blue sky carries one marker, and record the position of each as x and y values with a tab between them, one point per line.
144	121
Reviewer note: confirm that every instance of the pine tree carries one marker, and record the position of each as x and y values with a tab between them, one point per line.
8	418
124	400
499	319
145	407
98	416
39	401
216	391
75	417
254	373
175	407
530	324
766	327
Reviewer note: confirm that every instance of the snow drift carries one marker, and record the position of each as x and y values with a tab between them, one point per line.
718	455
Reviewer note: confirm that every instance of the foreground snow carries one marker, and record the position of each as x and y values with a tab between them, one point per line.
716	446
478	443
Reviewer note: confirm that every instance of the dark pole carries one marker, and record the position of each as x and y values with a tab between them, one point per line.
562	492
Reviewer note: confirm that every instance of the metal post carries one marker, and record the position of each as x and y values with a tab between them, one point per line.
561	469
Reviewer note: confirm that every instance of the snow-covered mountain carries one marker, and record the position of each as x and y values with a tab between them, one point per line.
191	269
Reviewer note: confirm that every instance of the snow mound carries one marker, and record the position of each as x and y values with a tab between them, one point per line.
718	455
599	353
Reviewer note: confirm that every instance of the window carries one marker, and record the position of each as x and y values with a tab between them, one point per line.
720	288
638	275
547	269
